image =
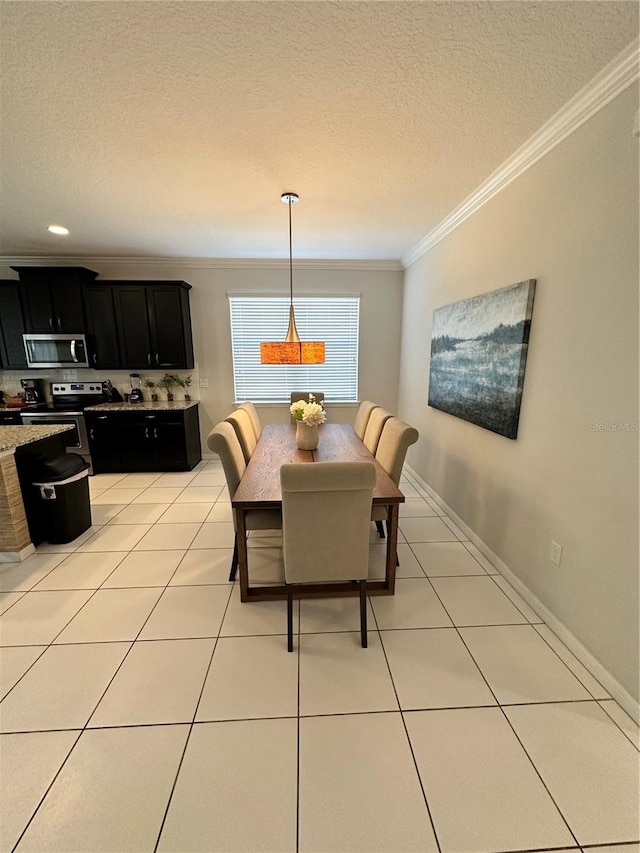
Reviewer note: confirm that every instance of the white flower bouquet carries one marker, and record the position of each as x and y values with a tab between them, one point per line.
310	413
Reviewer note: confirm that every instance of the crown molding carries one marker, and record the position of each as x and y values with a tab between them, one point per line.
200	263
613	79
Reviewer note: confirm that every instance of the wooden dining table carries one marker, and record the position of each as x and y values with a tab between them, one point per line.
260	489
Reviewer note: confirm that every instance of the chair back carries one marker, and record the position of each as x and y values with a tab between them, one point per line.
223	440
326	519
241	422
362	418
377	420
256	423
395	440
304	395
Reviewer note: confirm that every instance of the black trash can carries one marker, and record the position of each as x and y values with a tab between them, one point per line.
63	487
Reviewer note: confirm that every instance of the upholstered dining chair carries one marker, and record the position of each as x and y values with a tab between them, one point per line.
362	418
223	440
396	438
251	410
377	420
334	496
241	422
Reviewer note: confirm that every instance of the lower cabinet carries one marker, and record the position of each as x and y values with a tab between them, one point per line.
10	419
144	441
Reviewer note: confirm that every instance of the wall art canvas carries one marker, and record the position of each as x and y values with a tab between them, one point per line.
478	357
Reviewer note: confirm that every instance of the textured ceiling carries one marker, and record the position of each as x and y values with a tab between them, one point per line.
171	128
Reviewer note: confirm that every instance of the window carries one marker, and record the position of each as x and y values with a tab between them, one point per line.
332	319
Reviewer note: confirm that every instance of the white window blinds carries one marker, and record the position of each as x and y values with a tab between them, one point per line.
332	319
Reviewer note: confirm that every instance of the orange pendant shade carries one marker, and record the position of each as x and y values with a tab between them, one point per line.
291	352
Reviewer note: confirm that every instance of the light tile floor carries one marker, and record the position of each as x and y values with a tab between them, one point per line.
144	707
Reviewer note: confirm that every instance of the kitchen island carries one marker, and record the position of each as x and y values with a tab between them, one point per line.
19	445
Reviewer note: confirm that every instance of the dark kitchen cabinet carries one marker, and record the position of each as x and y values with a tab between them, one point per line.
154	324
146	440
10	418
53	298
12	354
104	351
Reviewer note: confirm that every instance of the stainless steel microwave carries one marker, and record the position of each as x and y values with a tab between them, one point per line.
56	350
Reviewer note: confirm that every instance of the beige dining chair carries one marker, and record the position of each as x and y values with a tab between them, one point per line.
396	438
223	440
241	422
362	418
333	496
251	410
377	420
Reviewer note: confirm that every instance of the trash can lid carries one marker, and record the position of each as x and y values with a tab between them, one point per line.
56	468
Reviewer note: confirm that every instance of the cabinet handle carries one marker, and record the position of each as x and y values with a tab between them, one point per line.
95	358
102	417
146	432
150	417
149	358
155	432
59	322
51	322
157	359
92	433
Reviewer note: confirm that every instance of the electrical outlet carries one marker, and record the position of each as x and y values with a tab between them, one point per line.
556	553
204	383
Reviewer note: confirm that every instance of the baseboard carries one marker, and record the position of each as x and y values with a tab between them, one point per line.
17	556
595	667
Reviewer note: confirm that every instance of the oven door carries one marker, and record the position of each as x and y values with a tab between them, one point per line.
75	440
56	350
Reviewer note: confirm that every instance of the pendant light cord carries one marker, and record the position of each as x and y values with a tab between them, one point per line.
290	258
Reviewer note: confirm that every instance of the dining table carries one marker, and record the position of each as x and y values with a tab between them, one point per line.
260	489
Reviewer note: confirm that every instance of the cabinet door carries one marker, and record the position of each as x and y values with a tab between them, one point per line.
105	440
169	447
101	325
167	327
37	304
10	419
66	301
136	439
11	326
132	323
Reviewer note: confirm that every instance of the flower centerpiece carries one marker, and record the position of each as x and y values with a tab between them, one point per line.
308	417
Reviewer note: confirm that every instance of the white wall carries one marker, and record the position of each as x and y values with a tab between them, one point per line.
571	222
380	289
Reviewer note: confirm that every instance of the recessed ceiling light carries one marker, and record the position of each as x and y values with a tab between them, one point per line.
58	229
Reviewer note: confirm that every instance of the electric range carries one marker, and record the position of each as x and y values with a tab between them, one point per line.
68	402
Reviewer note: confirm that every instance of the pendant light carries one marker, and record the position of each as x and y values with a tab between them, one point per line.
292	350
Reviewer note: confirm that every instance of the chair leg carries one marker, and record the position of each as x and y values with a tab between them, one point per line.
363	613
234	560
289	619
380	528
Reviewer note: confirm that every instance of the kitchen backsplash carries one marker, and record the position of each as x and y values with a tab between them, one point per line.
10	380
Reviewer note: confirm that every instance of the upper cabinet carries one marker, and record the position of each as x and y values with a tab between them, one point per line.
153	324
52	298
12	354
102	335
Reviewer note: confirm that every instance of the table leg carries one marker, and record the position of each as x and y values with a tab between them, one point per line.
243	568
392	546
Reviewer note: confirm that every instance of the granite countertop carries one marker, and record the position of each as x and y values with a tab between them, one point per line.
161	406
16	436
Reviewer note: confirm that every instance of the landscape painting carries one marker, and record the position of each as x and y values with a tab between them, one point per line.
478	357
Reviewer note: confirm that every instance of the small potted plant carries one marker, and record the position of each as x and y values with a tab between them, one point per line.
185	383
308	417
151	385
168	382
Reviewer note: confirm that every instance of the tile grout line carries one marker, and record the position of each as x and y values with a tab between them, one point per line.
406	731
